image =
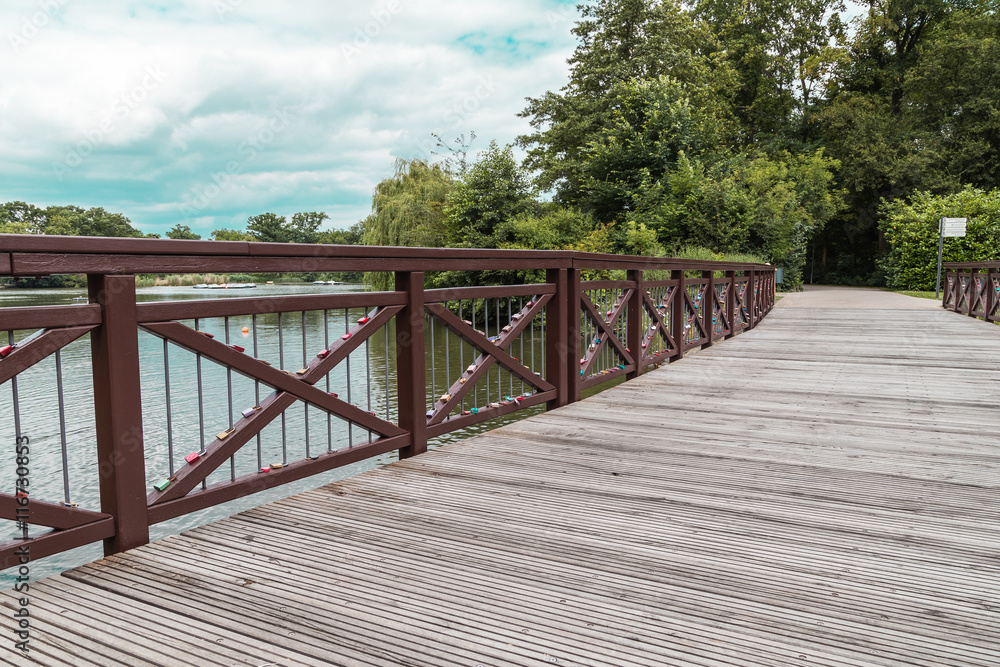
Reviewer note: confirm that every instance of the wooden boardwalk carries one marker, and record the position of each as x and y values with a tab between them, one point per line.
824	490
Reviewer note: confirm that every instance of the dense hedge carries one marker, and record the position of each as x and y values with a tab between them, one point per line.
911	230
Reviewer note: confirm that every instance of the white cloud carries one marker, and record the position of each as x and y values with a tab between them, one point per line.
147	104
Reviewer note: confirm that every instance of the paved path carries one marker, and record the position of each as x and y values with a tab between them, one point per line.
820	491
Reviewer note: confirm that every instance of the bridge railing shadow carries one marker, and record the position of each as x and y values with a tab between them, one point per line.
194	403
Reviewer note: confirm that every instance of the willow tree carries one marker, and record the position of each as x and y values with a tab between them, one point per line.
408	210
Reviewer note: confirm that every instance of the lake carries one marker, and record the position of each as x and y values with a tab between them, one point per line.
55	402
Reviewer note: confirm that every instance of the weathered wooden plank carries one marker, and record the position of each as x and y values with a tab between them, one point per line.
820	491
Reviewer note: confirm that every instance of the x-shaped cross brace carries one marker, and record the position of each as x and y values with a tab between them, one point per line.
288	387
491	352
658	325
607	334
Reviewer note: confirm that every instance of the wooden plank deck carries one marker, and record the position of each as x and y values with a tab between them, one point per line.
821	491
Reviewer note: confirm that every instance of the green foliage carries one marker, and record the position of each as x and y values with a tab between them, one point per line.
351	236
911	229
481	209
22	218
304	227
231	235
407	210
180	231
268	227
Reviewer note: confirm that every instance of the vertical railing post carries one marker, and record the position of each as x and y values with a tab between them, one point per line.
990	293
708	310
677	318
731	302
752	298
635	328
973	291
558	360
118	411
958	291
411	363
573	299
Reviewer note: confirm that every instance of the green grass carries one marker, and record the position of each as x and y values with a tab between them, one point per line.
916	293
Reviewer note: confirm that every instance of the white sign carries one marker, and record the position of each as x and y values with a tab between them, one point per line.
953	227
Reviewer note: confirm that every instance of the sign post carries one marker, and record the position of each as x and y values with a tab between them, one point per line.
950	227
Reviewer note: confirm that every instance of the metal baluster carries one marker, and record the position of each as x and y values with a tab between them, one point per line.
531	341
510	375
305	362
433	396
499	369
14	395
281	363
486	328
461	351
170	416
229	385
201	403
256	393
62	426
329	417
350	425
520	339
447	356
472	352
543	348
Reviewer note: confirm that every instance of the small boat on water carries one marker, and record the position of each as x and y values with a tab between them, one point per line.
227	286
79	298
326	282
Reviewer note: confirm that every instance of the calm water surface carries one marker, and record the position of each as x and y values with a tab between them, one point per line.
200	404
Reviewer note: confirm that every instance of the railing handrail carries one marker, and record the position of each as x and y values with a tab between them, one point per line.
653	319
35	255
993	264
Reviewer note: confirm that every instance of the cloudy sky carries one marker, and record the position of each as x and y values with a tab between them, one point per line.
204	112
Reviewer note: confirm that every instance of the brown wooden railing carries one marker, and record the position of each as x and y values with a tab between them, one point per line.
587	332
973	289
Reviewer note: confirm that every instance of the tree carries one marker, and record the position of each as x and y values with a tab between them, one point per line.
651	124
620	42
268	227
494	192
304	227
912	108
27	218
353	235
231	235
180	231
408	207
